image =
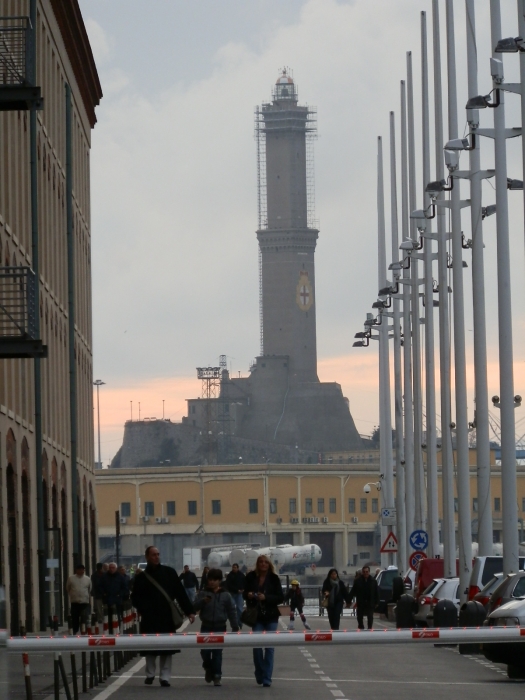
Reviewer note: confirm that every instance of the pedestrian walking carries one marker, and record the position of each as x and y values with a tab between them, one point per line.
215	606
98	593
127	580
114	592
336	595
366	593
204	578
78	587
296	598
190	582
153	594
263	591
234	584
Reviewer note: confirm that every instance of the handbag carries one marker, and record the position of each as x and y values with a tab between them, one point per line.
324	602
176	614
249	615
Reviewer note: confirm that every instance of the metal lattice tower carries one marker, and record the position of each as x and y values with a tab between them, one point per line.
211	382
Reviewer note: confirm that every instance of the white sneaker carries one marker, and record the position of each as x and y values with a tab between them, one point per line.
291	626
307	626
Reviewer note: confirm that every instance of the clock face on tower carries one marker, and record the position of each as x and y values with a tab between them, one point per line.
304	293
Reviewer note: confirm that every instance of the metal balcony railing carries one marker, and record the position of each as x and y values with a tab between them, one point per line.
13	50
18	314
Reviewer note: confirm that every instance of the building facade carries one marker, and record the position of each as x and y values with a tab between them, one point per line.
324	504
47	505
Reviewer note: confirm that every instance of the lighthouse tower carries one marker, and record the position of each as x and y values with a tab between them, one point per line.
286	238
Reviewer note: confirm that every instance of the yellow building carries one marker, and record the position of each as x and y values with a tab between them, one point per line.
47	504
176	507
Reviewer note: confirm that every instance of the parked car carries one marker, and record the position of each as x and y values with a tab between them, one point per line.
509	588
409	580
483	596
483	569
427	571
439	589
385	580
510	653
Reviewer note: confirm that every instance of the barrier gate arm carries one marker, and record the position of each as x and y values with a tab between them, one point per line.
153	642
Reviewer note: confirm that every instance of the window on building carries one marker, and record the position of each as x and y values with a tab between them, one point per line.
125	510
475	505
333	505
351	505
363	505
375	505
364	555
320	505
496	536
365	539
253	505
293	505
149	508
497	504
273	505
216	507
456	506
308	506
192	507
170	507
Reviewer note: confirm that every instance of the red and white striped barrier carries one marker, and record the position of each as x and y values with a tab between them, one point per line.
453	635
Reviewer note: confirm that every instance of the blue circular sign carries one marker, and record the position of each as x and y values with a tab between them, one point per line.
419	539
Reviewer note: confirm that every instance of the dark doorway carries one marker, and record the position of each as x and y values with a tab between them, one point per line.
12	548
325	540
284	538
26	554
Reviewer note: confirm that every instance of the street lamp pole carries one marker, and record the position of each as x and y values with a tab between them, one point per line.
463	467
447	470
98	383
481	416
506	355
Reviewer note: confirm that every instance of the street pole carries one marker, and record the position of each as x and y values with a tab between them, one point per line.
463	467
419	476
481	419
430	368
447	467
521	32
408	327
398	394
98	383
506	355
385	416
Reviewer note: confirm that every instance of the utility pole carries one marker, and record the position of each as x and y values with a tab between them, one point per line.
98	383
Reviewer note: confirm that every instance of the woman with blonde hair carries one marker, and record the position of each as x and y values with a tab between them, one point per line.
263	591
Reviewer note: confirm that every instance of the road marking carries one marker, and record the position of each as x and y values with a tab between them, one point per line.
337	693
314	666
321	672
331	685
118	682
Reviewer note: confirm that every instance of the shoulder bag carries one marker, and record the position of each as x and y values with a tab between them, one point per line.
249	615
176	615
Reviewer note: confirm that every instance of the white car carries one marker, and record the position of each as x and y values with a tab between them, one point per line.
439	589
510	653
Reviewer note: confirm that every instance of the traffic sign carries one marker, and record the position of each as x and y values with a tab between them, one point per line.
388	516
390	544
419	540
415	558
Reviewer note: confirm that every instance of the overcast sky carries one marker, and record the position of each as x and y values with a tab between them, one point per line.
174	185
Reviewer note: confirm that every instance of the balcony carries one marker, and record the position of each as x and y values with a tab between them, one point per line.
18	314
17	88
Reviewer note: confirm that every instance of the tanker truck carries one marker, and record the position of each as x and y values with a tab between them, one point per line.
286	556
218	559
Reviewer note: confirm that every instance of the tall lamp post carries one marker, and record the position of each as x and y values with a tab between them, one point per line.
98	383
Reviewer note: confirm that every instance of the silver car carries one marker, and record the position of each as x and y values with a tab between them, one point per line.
510	653
439	589
511	587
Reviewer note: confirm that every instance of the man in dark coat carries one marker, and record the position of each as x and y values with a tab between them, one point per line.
235	587
155	610
190	582
366	594
114	592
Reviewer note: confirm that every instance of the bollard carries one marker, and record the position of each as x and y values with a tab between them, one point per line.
445	615
93	677
405	610
84	659
106	658
55	623
61	671
471	614
398	588
101	677
27	676
73	659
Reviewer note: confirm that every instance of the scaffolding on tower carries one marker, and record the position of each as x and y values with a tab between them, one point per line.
211	383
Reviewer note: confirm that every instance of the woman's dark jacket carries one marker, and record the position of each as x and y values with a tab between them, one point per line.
114	588
341	593
152	605
272	589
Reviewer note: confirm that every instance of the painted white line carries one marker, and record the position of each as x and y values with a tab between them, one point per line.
331	685
118	682
337	693
325	678
314	666
321	672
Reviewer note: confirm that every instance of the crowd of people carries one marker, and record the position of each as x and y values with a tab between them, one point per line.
251	599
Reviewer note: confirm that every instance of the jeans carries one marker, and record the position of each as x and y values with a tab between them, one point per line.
191	593
334	615
239	604
263	658
361	612
79	615
212	658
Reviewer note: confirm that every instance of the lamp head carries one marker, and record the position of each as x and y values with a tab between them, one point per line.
514	184
378	304
478	102
457	145
408	244
488	211
384	291
510	45
436	187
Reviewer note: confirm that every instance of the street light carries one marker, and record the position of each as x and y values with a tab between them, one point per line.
483	101
510	45
98	383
